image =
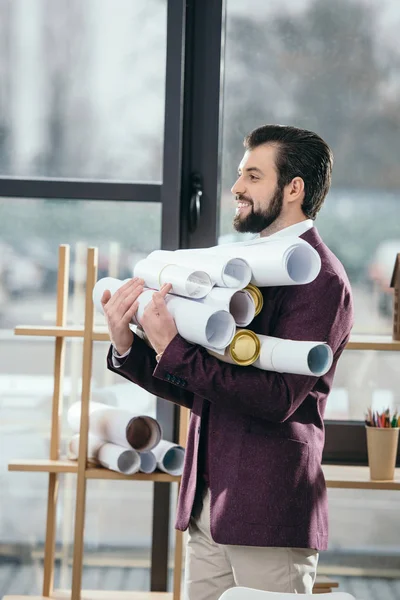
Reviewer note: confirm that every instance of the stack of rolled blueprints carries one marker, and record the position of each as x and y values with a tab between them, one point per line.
215	294
123	441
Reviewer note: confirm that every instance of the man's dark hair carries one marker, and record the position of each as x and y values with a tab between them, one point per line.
300	153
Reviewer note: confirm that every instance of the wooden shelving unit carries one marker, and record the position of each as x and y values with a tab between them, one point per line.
56	465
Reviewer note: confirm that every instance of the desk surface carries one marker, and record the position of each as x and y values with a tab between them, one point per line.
339	476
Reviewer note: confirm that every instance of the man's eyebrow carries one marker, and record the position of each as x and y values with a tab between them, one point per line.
251	170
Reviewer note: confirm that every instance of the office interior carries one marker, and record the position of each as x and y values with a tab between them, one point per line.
121	129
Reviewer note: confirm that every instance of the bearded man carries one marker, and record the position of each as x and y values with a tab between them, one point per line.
253	494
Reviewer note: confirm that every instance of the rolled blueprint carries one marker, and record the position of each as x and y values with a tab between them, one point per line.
185	281
106	283
119	459
111	456
231	272
148	462
243	350
291	356
273	262
239	303
197	323
118	426
170	457
94	445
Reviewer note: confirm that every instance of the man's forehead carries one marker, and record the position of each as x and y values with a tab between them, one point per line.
262	157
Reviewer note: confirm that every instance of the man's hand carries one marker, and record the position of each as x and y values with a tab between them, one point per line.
119	310
157	322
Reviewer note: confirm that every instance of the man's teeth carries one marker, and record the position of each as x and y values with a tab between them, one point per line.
242	204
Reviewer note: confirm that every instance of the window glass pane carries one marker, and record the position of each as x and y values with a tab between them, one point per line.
30	232
330	67
119	515
364	379
82	88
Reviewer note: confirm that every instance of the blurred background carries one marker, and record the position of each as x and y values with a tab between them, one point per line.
82	91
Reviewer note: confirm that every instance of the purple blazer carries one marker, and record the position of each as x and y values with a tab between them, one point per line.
266	429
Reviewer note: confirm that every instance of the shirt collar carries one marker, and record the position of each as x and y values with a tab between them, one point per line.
295	230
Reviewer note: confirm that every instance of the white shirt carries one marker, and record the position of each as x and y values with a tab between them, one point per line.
295	230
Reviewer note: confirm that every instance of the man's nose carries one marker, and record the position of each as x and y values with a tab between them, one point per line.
238	187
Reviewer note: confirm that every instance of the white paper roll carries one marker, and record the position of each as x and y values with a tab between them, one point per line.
148	462
226	272
185	281
94	445
118	426
106	283
111	456
170	457
238	302
117	458
292	356
273	261
195	322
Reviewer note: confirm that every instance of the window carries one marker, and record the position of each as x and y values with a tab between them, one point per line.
82	89
332	67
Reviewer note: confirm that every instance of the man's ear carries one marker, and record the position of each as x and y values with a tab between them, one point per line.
295	190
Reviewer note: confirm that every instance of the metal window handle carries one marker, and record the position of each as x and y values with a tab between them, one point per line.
195	201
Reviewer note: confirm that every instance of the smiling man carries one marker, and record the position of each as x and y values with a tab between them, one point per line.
253	493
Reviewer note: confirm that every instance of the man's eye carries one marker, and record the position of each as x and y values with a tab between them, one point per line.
253	177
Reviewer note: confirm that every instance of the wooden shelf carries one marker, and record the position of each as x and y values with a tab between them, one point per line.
336	476
372	342
101	334
50	331
340	476
100	473
71	466
44	466
98	595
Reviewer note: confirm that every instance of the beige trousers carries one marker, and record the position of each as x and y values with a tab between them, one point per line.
213	568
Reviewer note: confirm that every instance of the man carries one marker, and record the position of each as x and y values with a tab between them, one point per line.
253	493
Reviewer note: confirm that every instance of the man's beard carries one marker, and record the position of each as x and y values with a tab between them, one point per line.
257	221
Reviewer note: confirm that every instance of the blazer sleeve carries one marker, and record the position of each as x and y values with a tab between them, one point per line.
138	367
323	315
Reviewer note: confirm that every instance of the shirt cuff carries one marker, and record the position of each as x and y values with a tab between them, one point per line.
118	359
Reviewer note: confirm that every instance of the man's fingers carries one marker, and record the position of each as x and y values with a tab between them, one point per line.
130	313
105	297
129	288
165	289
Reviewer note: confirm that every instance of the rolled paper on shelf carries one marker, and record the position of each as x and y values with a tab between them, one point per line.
117	458
232	272
239	303
273	262
195	322
185	281
243	350
170	457
148	462
94	445
113	457
118	426
292	356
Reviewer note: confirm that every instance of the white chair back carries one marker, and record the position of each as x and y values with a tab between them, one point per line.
244	593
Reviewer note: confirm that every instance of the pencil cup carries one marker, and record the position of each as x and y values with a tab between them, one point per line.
382	451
